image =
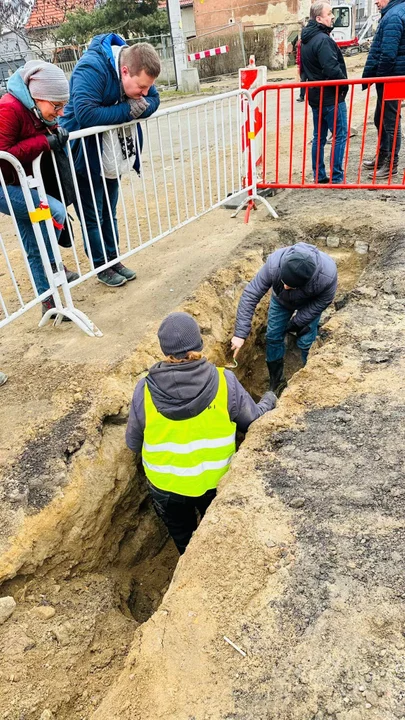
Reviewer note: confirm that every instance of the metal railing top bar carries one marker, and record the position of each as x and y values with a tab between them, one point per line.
86	132
326	83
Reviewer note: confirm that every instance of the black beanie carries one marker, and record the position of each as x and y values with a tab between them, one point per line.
179	334
297	268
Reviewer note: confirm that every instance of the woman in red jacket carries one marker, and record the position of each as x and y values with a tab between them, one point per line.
37	94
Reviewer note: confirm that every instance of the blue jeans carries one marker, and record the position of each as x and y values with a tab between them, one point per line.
26	230
340	138
277	328
95	238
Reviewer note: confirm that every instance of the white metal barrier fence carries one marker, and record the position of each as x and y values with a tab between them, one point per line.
191	163
18	292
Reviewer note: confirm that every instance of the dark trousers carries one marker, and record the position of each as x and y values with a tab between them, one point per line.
179	513
108	237
302	89
388	125
329	113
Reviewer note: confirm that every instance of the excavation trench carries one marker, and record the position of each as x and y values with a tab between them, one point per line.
111	576
146	583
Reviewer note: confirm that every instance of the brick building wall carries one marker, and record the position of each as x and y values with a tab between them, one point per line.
210	14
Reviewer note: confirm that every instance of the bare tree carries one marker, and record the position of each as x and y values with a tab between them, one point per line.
14	14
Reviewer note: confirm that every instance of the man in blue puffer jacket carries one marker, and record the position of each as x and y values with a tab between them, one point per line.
303	281
111	84
386	58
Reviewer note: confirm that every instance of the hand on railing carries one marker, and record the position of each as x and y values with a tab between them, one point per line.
138	107
58	139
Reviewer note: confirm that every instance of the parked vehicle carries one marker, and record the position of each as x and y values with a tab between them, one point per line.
344	29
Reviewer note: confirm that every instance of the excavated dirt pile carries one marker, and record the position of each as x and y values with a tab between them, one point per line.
298	561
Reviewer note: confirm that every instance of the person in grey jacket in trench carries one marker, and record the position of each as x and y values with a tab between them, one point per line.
303	281
183	418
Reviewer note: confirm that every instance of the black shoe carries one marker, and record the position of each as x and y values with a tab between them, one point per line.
111	278
125	272
324	181
70	274
300	99
384	172
370	164
49	304
278	383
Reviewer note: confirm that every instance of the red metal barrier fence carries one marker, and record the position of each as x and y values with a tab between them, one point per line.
290	157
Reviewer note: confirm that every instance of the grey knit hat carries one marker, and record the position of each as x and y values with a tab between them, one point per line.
179	334
297	268
45	81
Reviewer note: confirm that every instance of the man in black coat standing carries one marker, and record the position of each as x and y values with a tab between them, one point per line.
322	59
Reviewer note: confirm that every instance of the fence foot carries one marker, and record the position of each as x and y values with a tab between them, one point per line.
251	205
76	316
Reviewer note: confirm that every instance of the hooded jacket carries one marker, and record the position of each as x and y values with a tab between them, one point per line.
322	59
184	391
387	52
309	300
22	133
96	99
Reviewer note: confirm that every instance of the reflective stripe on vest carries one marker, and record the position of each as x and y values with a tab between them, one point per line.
189	456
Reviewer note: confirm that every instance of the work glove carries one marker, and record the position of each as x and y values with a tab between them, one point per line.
292	327
138	106
58	139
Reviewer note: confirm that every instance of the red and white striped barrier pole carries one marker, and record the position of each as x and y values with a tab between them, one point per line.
208	53
250	78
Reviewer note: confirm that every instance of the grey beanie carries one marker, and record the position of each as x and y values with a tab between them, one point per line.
297	268
45	81
179	334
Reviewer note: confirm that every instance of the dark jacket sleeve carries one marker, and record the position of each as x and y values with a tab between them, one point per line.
250	297
371	66
317	305
10	130
153	100
329	61
392	30
241	407
87	90
136	420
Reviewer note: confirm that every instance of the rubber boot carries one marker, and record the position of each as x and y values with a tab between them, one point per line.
278	383
304	356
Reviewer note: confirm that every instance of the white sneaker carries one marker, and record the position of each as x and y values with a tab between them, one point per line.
3	378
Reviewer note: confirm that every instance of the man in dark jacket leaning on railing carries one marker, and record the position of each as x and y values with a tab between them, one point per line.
303	281
386	58
322	59
111	84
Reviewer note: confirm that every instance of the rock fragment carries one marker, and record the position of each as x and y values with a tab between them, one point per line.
7	607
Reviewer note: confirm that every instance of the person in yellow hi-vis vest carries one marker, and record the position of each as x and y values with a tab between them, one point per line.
183	417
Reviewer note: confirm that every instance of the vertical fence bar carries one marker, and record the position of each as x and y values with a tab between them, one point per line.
290	169
278	136
191	162
200	160
231	144
349	124
152	168
182	166
176	196
216	150
169	219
